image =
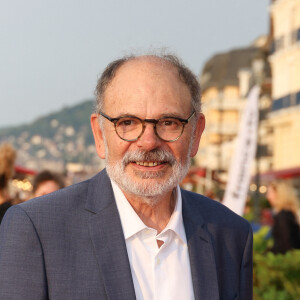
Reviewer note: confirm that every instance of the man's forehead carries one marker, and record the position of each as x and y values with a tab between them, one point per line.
147	79
147	65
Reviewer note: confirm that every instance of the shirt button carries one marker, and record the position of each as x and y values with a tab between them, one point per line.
158	261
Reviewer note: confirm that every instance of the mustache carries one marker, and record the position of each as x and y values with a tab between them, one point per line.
155	155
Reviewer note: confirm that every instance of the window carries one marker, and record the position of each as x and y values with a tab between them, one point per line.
286	102
279	43
298	98
280	103
272	50
277	104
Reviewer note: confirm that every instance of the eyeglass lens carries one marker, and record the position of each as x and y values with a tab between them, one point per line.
130	128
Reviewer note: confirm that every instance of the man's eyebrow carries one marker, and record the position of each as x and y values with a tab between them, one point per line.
170	115
125	115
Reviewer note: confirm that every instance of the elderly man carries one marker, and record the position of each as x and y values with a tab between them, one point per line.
130	232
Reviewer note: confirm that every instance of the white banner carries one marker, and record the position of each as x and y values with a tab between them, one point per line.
239	174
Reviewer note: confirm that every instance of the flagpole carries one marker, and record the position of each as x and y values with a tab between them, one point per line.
256	200
258	77
237	187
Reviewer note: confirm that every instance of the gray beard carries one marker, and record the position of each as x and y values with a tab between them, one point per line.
153	186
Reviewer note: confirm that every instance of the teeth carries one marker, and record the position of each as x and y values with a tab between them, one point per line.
147	163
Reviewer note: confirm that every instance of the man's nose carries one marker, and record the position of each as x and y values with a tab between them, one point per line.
149	140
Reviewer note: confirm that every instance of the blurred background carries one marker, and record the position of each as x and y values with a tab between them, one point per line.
53	51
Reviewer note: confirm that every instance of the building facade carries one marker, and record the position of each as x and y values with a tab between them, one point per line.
285	66
226	81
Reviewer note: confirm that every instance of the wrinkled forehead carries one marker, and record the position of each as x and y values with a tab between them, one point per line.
146	74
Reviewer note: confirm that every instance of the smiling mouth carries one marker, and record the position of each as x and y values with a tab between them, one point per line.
149	163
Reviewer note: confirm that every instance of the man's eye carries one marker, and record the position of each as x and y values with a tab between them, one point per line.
127	122
170	123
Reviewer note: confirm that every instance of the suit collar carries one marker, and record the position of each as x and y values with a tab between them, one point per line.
99	194
108	239
200	246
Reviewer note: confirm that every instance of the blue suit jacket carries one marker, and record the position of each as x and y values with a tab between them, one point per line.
70	245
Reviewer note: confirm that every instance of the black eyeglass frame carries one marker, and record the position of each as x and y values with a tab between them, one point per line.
153	121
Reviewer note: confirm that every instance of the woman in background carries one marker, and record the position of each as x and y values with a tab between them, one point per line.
7	161
286	231
47	182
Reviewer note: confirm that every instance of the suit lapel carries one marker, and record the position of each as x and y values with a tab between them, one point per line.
110	248
108	239
202	260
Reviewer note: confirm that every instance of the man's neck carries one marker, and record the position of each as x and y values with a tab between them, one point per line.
156	216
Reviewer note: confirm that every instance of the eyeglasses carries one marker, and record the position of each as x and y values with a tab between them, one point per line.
131	128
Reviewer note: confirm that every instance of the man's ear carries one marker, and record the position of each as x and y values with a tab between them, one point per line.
197	134
98	136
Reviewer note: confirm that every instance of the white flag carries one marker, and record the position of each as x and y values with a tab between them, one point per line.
239	173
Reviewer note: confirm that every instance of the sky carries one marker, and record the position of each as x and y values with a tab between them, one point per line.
53	51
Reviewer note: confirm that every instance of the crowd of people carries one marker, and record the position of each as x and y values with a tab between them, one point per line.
44	182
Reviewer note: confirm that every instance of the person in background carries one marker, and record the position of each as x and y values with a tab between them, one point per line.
47	182
286	231
7	161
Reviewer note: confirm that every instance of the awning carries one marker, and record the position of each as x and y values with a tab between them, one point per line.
284	174
22	170
201	172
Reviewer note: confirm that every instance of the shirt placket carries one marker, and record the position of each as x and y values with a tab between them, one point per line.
161	284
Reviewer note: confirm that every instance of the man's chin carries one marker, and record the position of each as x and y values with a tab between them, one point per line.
142	184
158	175
148	185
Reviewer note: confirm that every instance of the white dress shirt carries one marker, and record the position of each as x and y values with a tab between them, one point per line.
158	273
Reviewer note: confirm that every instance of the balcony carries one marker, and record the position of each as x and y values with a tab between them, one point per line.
223	104
222	129
285	41
287	101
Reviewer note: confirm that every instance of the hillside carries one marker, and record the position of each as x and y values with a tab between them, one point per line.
75	116
56	139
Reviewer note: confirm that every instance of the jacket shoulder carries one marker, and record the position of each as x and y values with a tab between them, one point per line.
92	195
212	211
66	197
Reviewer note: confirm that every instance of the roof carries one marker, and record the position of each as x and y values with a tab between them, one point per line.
222	69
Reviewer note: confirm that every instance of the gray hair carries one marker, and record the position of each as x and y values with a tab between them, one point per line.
185	74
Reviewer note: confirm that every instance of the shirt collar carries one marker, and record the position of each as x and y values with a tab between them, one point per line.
131	222
176	221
